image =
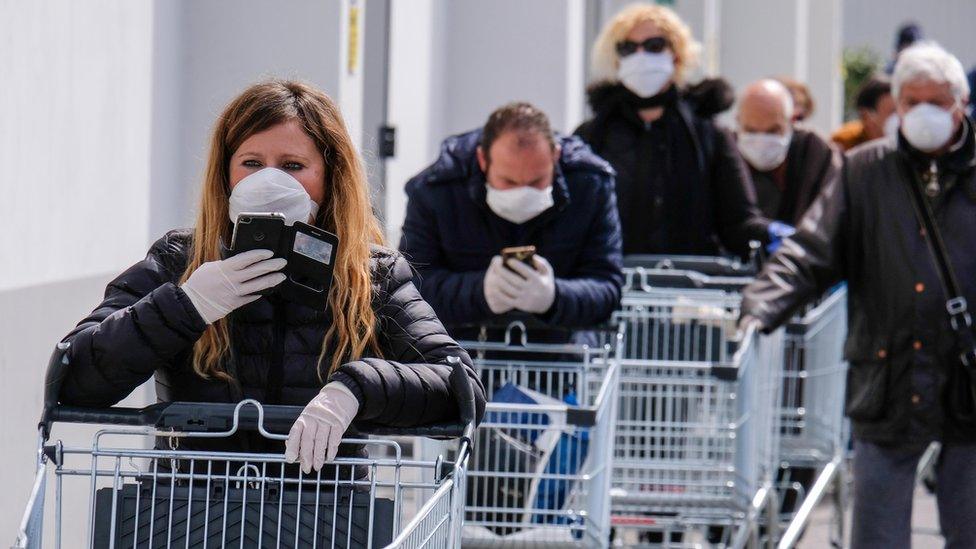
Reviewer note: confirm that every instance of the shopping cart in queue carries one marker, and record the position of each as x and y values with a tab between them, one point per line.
813	430
689	315
695	446
539	473
135	496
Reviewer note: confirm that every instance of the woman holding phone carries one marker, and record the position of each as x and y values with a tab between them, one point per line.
198	319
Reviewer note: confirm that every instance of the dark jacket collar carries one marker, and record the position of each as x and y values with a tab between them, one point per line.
706	99
613	100
609	99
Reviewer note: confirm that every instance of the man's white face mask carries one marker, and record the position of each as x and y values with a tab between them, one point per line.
764	151
520	204
270	190
927	127
645	73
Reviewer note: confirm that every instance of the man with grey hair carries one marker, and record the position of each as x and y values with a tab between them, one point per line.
898	224
789	165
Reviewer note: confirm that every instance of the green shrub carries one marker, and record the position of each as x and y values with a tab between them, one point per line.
858	65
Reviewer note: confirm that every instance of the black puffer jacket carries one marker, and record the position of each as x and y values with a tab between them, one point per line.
682	187
146	325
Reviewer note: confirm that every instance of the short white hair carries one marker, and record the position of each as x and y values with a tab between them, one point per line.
928	61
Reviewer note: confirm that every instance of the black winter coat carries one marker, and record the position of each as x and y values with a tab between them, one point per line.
450	235
147	325
681	186
863	229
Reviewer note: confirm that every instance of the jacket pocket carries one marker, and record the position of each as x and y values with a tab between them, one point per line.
867	389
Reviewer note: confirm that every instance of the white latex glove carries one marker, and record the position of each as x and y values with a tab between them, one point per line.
218	287
314	438
746	322
500	292
538	286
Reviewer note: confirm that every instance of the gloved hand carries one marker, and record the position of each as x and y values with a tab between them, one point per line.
218	287
536	287
499	291
777	232
314	438
749	321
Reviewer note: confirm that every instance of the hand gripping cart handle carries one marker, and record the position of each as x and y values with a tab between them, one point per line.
187	497
218	417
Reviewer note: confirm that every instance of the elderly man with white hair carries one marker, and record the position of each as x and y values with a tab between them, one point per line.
789	165
899	225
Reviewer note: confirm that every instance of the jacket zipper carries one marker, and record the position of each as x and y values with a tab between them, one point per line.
277	352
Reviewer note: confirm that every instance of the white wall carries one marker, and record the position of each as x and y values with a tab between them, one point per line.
75	115
502	51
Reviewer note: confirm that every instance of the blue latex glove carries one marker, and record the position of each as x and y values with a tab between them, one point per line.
777	232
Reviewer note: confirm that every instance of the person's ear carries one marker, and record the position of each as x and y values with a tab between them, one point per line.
482	159
557	151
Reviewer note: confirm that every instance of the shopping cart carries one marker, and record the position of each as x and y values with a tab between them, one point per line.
138	496
696	444
813	431
540	472
692	323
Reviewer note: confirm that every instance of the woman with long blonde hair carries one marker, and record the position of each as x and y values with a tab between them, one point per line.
210	326
681	186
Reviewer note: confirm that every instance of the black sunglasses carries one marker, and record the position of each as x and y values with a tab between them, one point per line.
656	44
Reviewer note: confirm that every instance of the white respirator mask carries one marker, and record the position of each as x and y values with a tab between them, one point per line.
520	204
646	74
270	190
927	127
764	151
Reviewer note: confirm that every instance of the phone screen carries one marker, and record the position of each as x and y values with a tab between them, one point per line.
313	248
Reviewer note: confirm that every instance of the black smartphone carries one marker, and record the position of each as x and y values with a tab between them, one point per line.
258	231
310	252
311	261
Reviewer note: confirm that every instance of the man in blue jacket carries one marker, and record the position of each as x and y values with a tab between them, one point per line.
515	183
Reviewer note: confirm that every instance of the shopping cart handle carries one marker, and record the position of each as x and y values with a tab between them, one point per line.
247	415
219	417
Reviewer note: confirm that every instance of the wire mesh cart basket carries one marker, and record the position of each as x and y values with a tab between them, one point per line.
134	495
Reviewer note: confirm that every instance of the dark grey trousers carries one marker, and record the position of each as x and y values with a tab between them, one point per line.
884	483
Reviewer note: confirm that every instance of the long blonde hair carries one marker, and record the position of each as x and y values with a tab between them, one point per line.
604	59
345	211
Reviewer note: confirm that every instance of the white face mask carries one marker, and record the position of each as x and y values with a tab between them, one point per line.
927	127
891	126
270	190
520	204
645	73
764	151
